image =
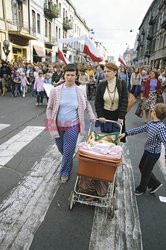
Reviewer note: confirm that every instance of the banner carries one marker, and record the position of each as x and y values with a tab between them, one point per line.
88	49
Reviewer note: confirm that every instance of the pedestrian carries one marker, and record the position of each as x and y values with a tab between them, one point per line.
99	76
136	83
57	76
112	97
151	88
65	111
156	134
39	87
17	82
24	83
83	80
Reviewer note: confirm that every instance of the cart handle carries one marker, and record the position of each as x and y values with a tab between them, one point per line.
93	122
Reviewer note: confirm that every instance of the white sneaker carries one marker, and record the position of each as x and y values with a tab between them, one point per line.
153	190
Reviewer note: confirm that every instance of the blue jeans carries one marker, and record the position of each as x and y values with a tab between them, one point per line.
40	95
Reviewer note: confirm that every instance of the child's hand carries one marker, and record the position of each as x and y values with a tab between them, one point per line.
122	136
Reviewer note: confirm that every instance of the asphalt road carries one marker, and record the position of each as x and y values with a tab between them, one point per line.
34	210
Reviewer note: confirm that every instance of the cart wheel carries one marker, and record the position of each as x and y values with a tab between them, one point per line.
112	208
71	200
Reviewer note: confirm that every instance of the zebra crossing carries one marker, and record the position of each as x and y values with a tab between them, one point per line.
2	126
22	212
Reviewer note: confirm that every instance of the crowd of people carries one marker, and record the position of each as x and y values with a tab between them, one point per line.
72	85
23	77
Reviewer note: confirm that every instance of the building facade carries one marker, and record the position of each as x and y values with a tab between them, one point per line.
129	56
33	28
151	40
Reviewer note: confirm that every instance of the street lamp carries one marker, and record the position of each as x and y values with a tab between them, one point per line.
6	48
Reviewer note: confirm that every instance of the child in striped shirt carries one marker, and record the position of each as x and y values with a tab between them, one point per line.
156	134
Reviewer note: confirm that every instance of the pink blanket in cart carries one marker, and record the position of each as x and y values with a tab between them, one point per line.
109	149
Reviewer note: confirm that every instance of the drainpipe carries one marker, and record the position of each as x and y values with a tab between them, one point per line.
4	15
29	18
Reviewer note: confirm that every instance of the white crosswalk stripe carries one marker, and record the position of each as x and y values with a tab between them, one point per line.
2	126
24	210
11	147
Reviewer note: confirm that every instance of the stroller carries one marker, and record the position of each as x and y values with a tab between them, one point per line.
97	171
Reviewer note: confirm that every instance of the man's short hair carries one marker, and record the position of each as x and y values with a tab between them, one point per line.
160	110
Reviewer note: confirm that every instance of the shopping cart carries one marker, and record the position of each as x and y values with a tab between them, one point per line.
98	167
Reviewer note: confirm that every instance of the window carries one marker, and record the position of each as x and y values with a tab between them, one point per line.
164	43
20	14
161	42
46	29
59	9
59	33
33	21
56	33
14	13
63	13
38	23
49	32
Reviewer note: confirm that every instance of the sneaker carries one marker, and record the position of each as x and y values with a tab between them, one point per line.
64	179
37	104
137	192
153	190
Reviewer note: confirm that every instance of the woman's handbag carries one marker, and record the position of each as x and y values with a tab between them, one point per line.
139	111
159	98
131	101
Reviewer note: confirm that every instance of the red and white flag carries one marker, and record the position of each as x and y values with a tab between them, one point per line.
122	61
62	57
90	50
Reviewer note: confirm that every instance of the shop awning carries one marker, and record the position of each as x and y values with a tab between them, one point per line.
39	51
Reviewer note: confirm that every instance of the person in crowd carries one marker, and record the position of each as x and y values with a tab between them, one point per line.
112	97
48	81
5	72
156	134
65	109
90	72
144	77
17	82
122	74
24	83
99	76
83	80
57	76
12	83
136	83
162	79
151	88
39	87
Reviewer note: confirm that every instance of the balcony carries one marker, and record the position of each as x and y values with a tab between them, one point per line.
163	24
51	10
67	24
147	53
20	29
151	21
137	49
149	37
143	32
